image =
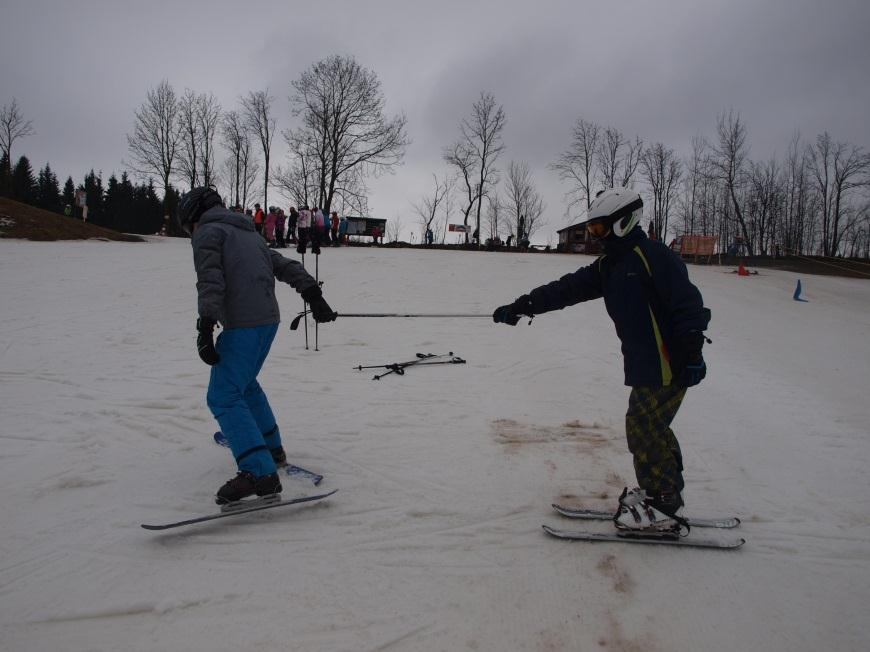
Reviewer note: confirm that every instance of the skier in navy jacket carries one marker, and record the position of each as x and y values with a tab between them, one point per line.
236	274
660	318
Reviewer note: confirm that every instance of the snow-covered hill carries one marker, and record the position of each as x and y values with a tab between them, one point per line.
445	474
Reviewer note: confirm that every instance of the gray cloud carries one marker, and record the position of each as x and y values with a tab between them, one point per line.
662	70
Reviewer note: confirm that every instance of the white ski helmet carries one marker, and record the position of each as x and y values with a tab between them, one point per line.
619	208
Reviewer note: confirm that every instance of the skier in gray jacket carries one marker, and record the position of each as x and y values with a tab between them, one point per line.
236	275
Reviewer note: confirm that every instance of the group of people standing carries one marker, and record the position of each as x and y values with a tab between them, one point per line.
304	227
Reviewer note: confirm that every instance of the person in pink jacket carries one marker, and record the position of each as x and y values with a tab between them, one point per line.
271	220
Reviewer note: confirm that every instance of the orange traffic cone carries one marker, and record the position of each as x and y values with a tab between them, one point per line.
741	271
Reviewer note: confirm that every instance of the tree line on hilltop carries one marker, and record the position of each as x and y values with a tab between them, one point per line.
812	200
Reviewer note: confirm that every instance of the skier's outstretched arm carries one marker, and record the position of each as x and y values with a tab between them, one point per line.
582	285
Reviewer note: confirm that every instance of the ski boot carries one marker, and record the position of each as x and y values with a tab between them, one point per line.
245	484
656	515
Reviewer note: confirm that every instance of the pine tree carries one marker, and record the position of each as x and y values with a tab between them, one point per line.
148	209
23	183
48	191
68	198
93	188
5	177
120	206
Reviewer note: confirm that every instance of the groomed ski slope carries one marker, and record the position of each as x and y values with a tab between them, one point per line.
446	474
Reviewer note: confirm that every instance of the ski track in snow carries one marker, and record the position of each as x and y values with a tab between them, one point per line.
445	474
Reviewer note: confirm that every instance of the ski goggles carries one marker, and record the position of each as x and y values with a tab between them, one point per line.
597	229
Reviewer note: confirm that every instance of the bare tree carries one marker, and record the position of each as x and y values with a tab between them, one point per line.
524	205
208	119
766	193
694	184
345	134
837	168
12	127
617	158
393	229
482	133
730	158
233	133
495	220
299	180
260	121
662	170
155	140
461	156
189	141
241	166
427	208
577	164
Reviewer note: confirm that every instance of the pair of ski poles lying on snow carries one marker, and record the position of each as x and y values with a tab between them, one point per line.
295	323
422	359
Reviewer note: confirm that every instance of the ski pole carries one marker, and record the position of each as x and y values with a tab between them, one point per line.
305	310
399	368
420	356
295	323
320	285
400	371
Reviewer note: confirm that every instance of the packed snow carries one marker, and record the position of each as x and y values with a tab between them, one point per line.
445	475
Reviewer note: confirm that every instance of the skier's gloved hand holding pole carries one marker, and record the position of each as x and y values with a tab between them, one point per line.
320	310
511	313
205	341
687	361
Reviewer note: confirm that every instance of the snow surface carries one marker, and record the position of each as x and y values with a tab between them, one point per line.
445	475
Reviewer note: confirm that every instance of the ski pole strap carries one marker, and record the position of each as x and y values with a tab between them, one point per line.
249	452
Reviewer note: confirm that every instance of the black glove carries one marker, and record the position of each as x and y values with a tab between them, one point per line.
687	363
205	341
320	310
511	313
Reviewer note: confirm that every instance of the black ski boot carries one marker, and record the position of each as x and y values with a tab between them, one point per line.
245	484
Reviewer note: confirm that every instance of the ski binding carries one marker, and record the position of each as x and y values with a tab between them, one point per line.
724	523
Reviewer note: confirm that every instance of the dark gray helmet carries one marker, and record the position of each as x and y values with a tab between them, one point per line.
193	204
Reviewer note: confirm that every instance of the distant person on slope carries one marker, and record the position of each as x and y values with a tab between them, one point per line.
660	318
236	274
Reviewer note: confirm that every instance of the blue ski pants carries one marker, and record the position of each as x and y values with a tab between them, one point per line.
237	401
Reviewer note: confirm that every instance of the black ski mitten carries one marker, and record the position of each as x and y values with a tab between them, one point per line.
687	362
205	341
320	310
511	313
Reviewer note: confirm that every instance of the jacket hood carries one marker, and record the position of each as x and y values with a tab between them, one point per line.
219	214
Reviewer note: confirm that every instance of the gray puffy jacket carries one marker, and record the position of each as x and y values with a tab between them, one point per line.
236	271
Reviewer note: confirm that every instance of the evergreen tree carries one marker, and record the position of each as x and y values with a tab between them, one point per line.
170	204
5	177
120	205
23	183
95	199
48	191
148	209
68	198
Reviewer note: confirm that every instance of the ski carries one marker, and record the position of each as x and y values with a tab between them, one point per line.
242	507
724	523
629	537
290	469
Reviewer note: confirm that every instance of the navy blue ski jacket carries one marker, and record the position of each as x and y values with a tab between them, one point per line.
648	295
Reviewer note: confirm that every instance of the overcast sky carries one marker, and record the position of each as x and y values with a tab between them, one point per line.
660	69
